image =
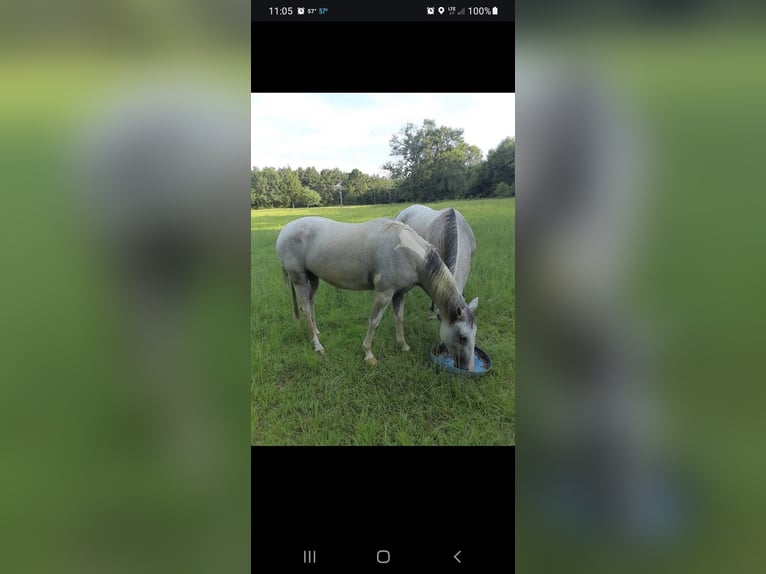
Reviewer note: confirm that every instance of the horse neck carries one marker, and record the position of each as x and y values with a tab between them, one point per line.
437	280
453	247
459	273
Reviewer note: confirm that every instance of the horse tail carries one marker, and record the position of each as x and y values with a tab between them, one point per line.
292	291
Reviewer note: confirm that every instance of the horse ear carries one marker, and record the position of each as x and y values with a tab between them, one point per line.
473	304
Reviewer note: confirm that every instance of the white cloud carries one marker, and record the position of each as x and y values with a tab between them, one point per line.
353	130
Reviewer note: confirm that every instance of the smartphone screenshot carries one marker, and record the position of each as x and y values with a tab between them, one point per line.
383	358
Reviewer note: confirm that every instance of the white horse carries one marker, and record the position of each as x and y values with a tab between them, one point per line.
383	256
449	232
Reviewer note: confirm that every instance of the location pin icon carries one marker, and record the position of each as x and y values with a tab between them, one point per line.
441	9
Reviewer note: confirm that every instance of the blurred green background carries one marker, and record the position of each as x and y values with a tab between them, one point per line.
693	82
124	395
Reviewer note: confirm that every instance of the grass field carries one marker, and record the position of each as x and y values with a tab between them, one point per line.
302	398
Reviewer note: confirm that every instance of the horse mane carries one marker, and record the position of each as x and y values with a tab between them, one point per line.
451	240
443	287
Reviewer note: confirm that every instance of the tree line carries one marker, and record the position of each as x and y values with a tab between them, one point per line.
428	163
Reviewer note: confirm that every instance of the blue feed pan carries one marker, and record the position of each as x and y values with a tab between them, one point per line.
481	361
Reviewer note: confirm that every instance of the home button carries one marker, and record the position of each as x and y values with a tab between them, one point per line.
384	557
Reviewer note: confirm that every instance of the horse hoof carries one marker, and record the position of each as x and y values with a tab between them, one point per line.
320	350
371	361
406	349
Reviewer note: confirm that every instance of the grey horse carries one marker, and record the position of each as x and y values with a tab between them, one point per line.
448	231
384	256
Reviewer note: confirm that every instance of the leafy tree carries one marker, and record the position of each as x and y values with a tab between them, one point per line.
500	168
379	190
309	177
290	187
356	187
502	189
431	162
308	198
255	199
265	188
331	182
454	171
307	187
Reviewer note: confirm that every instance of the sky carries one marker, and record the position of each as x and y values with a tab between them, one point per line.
350	131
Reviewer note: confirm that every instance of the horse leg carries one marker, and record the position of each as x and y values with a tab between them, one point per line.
314	281
304	291
379	303
398	306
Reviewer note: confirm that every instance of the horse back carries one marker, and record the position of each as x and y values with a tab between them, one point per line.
354	256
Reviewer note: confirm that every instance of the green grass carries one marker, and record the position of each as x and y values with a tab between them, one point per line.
302	398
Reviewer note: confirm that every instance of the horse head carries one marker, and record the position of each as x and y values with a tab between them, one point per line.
458	334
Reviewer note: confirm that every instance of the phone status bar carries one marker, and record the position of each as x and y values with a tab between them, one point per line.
346	10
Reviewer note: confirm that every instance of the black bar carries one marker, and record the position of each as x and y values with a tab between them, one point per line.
422	504
407	57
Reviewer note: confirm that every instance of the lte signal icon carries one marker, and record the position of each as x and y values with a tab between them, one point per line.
430	10
301	11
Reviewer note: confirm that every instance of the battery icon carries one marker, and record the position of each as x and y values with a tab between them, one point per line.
494	10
